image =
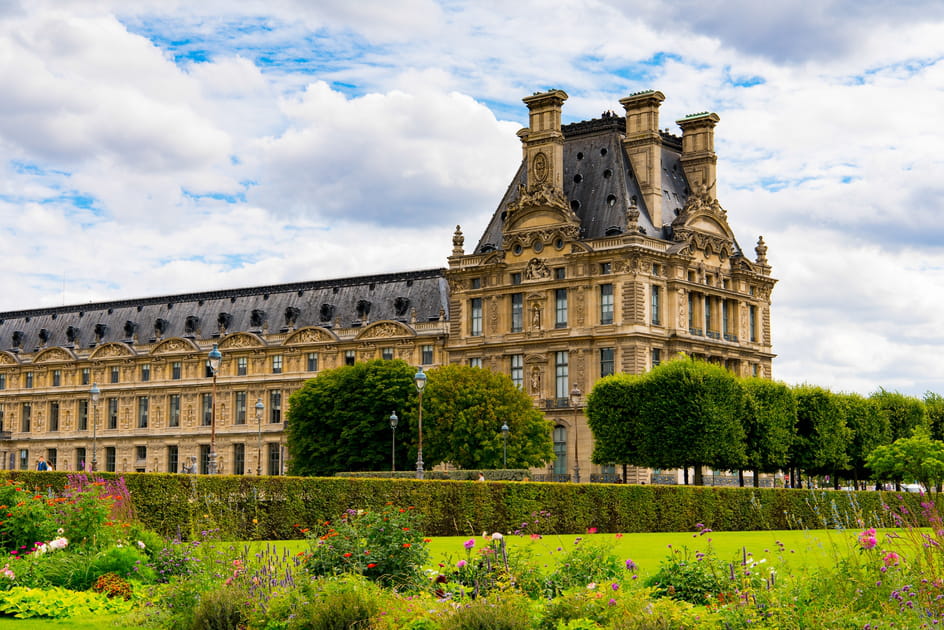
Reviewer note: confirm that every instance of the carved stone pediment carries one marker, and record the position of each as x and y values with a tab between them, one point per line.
240	340
175	344
7	359
703	223
51	355
111	350
311	335
541	195
536	358
386	329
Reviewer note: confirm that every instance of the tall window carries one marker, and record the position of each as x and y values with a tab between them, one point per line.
29	380
24	459
277	364
239	459
26	417
204	459
146	372
54	416
516	278
725	324
52	457
207	408
656	305
517	312
656	357
427	352
173	458
83	416
708	323
560	450
691	312
275	459
175	370
607	363
56	378
115	374
606	303
606	268
475	305
112	413
386	354
80	458
475	362
140	458
312	362
561	375
560	308
3	381
111	459
753	322
173	412
240	407
142	412
349	357
275	406
86	376
517	370
242	366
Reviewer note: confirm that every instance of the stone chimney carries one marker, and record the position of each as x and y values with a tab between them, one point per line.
643	145
699	160
543	140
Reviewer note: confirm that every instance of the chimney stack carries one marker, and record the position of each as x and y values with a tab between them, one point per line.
543	140
699	160
643	145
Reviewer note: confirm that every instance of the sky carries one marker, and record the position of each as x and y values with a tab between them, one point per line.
159	146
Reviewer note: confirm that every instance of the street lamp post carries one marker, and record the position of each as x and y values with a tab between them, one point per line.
504	431
215	358
95	393
259	408
393	447
419	379
575	395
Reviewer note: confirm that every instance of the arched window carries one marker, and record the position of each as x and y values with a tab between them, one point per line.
560	450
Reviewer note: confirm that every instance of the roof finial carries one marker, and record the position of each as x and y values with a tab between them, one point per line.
761	250
457	241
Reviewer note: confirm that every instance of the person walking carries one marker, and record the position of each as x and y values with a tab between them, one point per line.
41	464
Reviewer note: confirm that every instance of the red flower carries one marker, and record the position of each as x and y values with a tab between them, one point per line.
371	565
347	555
407	545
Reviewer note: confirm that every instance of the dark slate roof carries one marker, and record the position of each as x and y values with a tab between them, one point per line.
351	302
599	182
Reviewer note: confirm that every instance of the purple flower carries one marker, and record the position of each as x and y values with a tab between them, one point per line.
469	543
615	586
630	565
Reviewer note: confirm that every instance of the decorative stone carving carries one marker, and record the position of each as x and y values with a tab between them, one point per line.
535	380
384	329
458	240
682	309
53	354
173	345
6	359
493	315
111	350
541	195
537	269
761	251
239	340
310	335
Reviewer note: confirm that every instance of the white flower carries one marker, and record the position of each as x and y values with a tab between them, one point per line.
59	543
40	549
592	586
141	544
60	531
497	536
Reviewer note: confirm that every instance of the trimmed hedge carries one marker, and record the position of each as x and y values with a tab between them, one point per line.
273	508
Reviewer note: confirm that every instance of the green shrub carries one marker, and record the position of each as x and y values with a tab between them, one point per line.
499	612
223	608
328	604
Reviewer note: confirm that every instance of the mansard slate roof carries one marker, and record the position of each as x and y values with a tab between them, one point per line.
600	184
341	303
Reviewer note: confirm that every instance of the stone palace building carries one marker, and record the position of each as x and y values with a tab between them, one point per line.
609	252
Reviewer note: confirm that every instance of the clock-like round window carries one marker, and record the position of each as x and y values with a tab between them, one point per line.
517	249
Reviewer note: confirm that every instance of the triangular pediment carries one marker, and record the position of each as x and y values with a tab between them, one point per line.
7	358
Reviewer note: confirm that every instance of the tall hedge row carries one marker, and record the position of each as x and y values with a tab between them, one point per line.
271	508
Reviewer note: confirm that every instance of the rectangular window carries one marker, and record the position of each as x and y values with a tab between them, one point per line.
475	312
312	362
560	451
52	458
725	324
29	380
54	416
349	357
275	459
80	458
3	381
204	459
561	375
111	459
173	411
386	354
607	362
83	415
56	378
691	312
560	273
26	417
146	372
240	405
242	366
517	370
606	268
516	279
475	362
239	459
140	458
606	303
752	322
142	412
476	283
560	308
656	305
427	351
277	364
175	370
275	406
708	323
206	409
112	413
173	458
517	312
115	373
24	459
86	376
656	357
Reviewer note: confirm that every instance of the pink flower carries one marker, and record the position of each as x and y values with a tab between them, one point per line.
867	539
469	543
891	559
591	530
461	563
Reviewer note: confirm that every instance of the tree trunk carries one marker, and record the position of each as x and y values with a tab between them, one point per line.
740	478
699	480
835	482
685	475
625	471
756	478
